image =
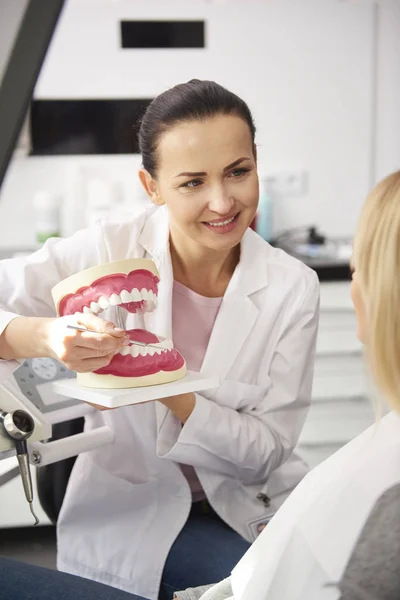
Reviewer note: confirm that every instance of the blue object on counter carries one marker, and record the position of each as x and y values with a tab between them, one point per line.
264	213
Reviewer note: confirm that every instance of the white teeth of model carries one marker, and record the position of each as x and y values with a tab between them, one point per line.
135	351
103	302
86	310
167	344
142	350
125	296
158	350
151	351
94	307
136	295
145	294
115	300
125	350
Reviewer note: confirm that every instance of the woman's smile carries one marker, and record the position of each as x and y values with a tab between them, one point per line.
222	225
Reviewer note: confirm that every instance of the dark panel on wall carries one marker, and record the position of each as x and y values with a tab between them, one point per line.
85	126
162	34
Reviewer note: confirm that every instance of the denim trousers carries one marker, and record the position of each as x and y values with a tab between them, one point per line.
205	551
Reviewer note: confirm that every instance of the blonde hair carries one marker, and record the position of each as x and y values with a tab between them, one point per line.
376	260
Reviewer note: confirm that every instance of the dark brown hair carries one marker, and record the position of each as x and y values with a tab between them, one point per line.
192	101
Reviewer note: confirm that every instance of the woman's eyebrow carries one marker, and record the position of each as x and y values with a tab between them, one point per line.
203	173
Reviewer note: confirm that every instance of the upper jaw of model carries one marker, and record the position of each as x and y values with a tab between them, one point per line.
131	284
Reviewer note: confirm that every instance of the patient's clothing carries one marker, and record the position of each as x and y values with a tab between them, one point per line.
373	572
193	318
221	591
314	533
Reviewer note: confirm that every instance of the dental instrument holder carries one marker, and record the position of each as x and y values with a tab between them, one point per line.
18	426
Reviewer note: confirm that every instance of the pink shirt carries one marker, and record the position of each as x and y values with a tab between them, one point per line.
193	318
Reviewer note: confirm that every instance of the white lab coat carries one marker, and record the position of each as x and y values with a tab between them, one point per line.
304	550
126	503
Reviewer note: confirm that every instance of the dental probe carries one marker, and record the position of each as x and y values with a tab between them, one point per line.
131	342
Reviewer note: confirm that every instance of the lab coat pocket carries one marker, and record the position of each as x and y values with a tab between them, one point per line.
239	395
106	509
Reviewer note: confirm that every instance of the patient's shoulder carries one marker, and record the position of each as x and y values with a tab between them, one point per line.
373	570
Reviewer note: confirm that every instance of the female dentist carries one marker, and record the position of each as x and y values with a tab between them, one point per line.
190	480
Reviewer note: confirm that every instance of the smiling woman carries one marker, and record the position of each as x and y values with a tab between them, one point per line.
212	201
191	480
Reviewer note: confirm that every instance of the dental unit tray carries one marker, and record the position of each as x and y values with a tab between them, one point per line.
116	398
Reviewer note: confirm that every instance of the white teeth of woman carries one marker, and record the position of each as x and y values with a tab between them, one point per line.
123	298
221	224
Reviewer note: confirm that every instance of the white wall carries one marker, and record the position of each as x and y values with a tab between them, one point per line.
388	90
307	69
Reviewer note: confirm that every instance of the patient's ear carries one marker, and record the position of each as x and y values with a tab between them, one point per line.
150	186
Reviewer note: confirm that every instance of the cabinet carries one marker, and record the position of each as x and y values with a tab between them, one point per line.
341	400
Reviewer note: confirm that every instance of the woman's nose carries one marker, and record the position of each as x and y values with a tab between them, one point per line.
220	201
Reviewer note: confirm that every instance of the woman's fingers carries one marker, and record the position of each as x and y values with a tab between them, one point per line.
99	325
85	351
87	365
100	343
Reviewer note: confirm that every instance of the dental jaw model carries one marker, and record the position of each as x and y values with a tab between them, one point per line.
131	285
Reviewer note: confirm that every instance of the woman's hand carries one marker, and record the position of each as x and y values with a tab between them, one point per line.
182	405
83	351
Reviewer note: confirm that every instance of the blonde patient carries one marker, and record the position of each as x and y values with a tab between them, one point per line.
338	534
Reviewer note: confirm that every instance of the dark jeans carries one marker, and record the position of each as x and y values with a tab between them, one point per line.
205	551
20	581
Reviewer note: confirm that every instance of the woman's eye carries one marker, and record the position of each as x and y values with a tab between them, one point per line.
239	172
193	183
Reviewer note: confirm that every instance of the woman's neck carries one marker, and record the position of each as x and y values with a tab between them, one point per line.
206	272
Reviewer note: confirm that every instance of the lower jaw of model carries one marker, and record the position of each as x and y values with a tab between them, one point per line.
131	284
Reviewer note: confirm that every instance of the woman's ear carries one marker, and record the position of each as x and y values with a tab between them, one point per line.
150	186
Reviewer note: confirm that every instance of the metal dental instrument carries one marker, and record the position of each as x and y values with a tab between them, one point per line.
131	342
18	426
118	314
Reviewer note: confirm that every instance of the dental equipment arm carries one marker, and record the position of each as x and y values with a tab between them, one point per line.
21	420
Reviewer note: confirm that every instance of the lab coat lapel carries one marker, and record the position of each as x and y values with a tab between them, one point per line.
237	314
235	319
154	239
